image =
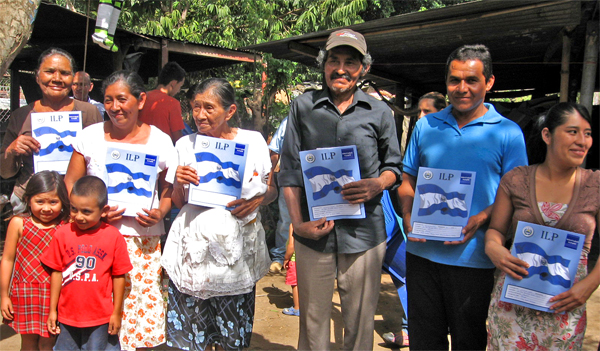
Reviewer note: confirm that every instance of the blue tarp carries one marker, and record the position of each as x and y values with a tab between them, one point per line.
395	255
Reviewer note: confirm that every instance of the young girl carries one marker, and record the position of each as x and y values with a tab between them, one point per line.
289	262
26	307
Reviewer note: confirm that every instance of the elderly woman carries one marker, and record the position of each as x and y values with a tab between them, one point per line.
54	76
553	192
214	256
144	305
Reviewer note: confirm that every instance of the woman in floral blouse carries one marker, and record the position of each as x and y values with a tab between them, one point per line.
553	192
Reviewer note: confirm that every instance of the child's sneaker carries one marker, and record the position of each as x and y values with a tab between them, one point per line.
291	311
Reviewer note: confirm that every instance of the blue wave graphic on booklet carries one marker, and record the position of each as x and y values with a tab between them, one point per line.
117	167
59	146
209	157
211	167
49	130
434	198
323	180
122	178
553	269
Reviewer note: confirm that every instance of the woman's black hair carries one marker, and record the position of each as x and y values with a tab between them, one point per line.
56	51
45	182
130	78
220	88
556	116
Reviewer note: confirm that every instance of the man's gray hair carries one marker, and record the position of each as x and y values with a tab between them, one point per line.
367	60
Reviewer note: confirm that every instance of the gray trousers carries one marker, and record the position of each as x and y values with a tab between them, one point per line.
359	280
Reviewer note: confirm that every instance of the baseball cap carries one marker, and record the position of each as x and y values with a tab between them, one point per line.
347	37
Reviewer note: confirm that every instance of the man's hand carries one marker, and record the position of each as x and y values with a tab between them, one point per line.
408	229
474	223
23	145
314	230
362	190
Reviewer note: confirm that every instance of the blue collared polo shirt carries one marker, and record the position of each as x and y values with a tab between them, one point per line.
490	145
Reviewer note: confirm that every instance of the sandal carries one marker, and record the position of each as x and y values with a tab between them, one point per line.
291	311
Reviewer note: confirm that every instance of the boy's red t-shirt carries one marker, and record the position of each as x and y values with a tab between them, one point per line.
88	262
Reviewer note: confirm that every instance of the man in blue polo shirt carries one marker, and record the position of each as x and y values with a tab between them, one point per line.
451	282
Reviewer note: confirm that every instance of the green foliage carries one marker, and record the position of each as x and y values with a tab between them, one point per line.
512	100
408	6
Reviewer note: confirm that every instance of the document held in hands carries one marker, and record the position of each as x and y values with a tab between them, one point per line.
553	257
220	165
55	131
130	179
442	204
325	172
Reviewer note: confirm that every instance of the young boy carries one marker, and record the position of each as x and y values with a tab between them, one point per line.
89	260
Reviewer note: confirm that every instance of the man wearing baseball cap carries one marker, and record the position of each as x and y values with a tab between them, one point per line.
339	115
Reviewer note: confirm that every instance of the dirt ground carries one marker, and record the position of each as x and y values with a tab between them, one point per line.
275	331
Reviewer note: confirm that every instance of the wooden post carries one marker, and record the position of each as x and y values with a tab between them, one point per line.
15	89
401	121
564	68
164	52
398	91
590	62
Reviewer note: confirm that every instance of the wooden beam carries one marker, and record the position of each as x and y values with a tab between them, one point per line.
590	62
202	50
303	49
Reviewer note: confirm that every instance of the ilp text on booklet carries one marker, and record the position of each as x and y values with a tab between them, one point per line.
220	163
325	171
553	256
442	204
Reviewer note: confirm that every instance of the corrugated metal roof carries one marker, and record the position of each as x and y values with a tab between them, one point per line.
524	37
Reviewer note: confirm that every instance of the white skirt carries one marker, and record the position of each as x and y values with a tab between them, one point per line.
209	253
